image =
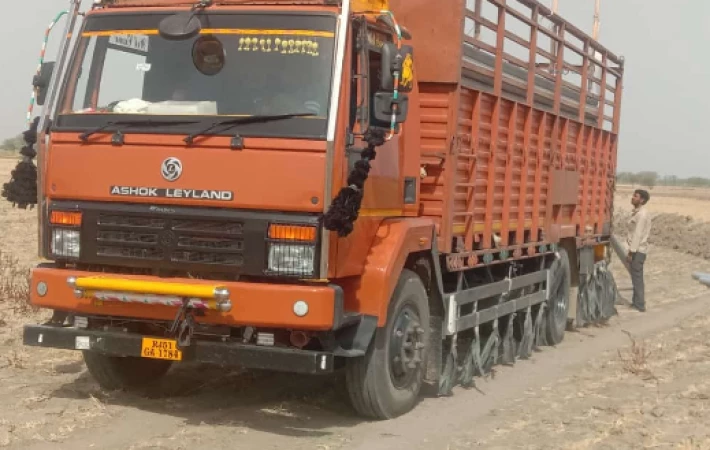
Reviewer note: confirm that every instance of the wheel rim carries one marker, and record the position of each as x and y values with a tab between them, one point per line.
406	346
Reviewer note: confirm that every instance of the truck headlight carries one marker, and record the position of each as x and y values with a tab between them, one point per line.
292	259
66	243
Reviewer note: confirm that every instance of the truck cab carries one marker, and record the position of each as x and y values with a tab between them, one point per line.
188	153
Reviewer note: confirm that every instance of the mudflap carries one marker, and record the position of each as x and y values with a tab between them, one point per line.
434	360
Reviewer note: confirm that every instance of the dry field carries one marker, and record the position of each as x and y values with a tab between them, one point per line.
692	202
601	388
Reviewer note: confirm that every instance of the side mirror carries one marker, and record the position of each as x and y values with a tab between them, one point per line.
402	61
382	107
41	81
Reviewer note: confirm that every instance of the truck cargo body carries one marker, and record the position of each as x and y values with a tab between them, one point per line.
510	147
198	229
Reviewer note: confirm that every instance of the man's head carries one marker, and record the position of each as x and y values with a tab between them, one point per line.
640	198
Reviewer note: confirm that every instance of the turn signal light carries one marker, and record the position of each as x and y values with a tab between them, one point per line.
292	233
65	218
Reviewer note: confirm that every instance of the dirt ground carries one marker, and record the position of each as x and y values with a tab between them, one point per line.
599	389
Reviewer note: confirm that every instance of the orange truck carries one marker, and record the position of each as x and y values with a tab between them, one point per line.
400	190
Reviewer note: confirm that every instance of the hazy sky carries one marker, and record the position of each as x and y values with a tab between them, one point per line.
666	88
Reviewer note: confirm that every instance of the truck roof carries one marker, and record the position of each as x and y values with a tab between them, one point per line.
423	10
357	5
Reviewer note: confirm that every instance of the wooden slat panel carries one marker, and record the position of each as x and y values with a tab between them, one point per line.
491	149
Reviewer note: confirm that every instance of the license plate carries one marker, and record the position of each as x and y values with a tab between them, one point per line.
160	349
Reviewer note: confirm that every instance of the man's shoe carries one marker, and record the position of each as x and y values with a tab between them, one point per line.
637	308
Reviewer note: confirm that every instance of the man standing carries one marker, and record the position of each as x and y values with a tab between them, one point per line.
639	228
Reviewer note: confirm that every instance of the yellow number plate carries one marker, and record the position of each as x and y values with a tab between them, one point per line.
160	349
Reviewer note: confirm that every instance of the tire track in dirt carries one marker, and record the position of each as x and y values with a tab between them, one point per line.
653	393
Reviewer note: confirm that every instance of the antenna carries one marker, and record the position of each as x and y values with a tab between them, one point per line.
597	11
596	88
595	36
555	29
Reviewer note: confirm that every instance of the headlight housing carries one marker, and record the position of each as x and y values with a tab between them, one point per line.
65	237
292	250
66	243
292	259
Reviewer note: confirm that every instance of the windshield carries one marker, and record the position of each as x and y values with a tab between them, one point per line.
240	65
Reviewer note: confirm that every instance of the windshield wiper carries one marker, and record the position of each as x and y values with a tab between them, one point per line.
133	123
229	123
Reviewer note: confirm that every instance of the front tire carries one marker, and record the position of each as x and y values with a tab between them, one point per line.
386	381
124	373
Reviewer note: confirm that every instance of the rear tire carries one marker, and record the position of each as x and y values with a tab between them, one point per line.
558	304
386	381
124	373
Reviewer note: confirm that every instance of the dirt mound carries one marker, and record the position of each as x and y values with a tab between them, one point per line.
681	233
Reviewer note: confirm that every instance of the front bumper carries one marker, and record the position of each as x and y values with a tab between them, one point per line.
253	304
223	353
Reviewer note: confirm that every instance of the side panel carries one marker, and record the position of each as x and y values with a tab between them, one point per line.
437	117
519	142
510	171
525	175
503	175
396	239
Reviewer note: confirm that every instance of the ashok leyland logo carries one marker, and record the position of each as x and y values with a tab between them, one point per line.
171	169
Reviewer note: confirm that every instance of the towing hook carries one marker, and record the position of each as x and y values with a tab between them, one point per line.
183	326
187	328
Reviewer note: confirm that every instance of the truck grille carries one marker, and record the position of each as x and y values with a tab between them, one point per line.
188	241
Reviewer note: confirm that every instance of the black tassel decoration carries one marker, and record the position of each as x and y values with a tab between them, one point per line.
344	210
21	190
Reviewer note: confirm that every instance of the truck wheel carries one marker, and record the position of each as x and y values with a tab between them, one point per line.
558	305
118	373
385	382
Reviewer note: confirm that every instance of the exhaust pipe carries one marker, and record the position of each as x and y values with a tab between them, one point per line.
300	339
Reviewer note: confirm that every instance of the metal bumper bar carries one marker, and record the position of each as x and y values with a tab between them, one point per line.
151	292
223	353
